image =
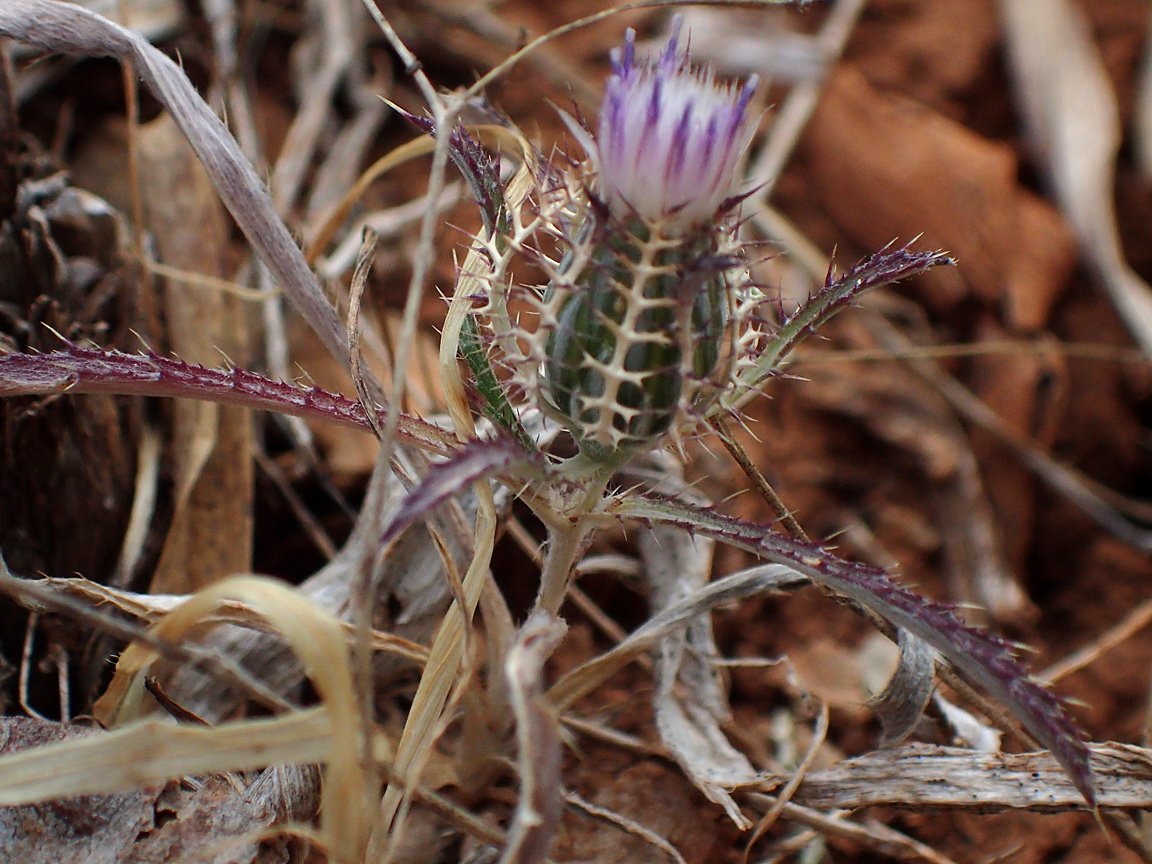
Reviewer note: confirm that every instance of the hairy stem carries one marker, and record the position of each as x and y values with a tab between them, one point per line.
565	545
569	528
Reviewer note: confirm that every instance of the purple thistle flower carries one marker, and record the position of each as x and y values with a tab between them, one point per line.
669	137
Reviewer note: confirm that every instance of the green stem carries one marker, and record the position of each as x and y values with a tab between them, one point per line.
565	545
568	529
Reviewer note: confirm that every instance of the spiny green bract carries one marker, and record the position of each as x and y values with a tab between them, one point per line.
634	336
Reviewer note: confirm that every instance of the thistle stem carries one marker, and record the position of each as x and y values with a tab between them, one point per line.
565	545
568	532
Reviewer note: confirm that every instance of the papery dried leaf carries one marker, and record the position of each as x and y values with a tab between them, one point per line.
538	738
689	698
984	657
902	702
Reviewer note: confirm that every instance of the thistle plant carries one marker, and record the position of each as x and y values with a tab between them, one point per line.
648	323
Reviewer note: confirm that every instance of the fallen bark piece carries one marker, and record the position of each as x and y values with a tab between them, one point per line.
921	775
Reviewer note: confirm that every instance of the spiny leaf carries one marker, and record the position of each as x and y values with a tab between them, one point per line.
476	459
984	657
881	268
480	171
496	406
87	370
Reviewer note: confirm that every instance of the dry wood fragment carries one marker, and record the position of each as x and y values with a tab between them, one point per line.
920	775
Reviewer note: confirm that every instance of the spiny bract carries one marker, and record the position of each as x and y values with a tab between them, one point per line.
637	323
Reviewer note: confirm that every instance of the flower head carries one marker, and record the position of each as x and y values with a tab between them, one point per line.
635	332
669	136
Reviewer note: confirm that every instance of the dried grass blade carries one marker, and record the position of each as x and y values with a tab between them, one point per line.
587	677
318	89
473	464
334	218
35	594
785	795
153	751
318	639
354	329
873	834
148	608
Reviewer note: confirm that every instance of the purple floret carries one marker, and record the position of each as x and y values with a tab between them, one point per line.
670	138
